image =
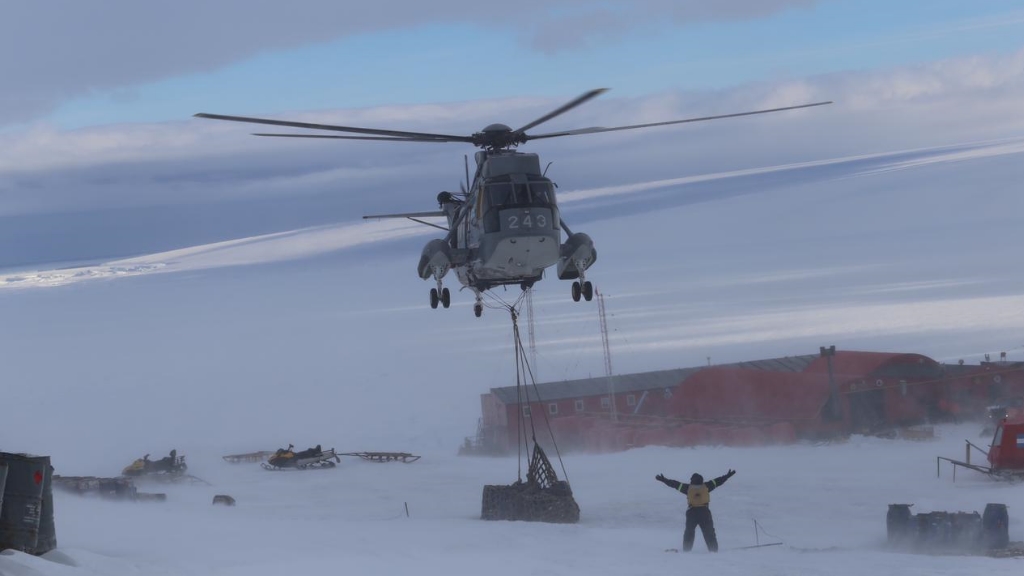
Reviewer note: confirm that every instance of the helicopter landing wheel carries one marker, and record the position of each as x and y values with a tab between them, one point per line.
588	291
577	291
433	298
478	309
446	298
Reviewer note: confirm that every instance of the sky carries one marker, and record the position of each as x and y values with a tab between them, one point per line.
181	265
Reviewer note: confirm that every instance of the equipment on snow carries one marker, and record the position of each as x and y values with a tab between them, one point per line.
951	532
1005	454
312	458
170	465
384	456
542	498
258	456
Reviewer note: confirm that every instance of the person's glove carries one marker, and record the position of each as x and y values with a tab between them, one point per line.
659	478
730	474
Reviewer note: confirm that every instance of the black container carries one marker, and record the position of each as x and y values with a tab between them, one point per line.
898	524
22	501
995	523
934	530
3	482
47	530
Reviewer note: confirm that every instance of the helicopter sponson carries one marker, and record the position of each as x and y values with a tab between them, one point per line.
575	256
436	258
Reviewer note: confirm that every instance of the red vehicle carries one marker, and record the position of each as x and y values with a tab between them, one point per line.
1007	451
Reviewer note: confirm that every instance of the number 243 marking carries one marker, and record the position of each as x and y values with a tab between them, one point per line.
528	221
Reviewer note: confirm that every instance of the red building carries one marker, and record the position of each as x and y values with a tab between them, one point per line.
744	403
867	390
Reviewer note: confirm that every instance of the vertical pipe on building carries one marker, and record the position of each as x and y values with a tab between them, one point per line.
828	353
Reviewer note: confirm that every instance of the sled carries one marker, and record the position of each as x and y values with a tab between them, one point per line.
384	456
258	456
120	488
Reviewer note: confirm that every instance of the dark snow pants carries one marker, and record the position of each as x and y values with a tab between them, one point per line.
699	516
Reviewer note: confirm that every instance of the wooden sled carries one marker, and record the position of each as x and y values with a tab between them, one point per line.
259	456
384	456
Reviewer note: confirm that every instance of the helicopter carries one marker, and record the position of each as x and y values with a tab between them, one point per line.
504	226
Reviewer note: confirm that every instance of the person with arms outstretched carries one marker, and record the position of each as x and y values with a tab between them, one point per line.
698	496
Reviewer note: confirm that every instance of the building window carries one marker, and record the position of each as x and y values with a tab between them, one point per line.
552	409
526	411
631	400
606	402
579	405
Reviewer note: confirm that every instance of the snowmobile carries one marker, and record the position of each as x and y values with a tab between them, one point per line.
171	465
289	459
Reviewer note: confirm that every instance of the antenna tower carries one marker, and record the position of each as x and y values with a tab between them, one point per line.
607	354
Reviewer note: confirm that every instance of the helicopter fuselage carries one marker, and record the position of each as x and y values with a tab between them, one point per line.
506	229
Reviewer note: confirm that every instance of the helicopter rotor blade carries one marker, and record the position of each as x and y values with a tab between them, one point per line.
596	130
428	137
431	214
333	137
563	109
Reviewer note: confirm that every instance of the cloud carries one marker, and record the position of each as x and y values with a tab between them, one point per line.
998	81
606	22
65	49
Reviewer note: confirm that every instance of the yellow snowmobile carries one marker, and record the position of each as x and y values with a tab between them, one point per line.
289	459
171	465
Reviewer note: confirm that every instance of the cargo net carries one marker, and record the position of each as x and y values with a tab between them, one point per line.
542	497
540	471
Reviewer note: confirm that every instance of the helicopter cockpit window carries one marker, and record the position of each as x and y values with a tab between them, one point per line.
541	193
500	194
518	194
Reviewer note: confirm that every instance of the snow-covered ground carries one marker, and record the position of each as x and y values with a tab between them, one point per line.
825	503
